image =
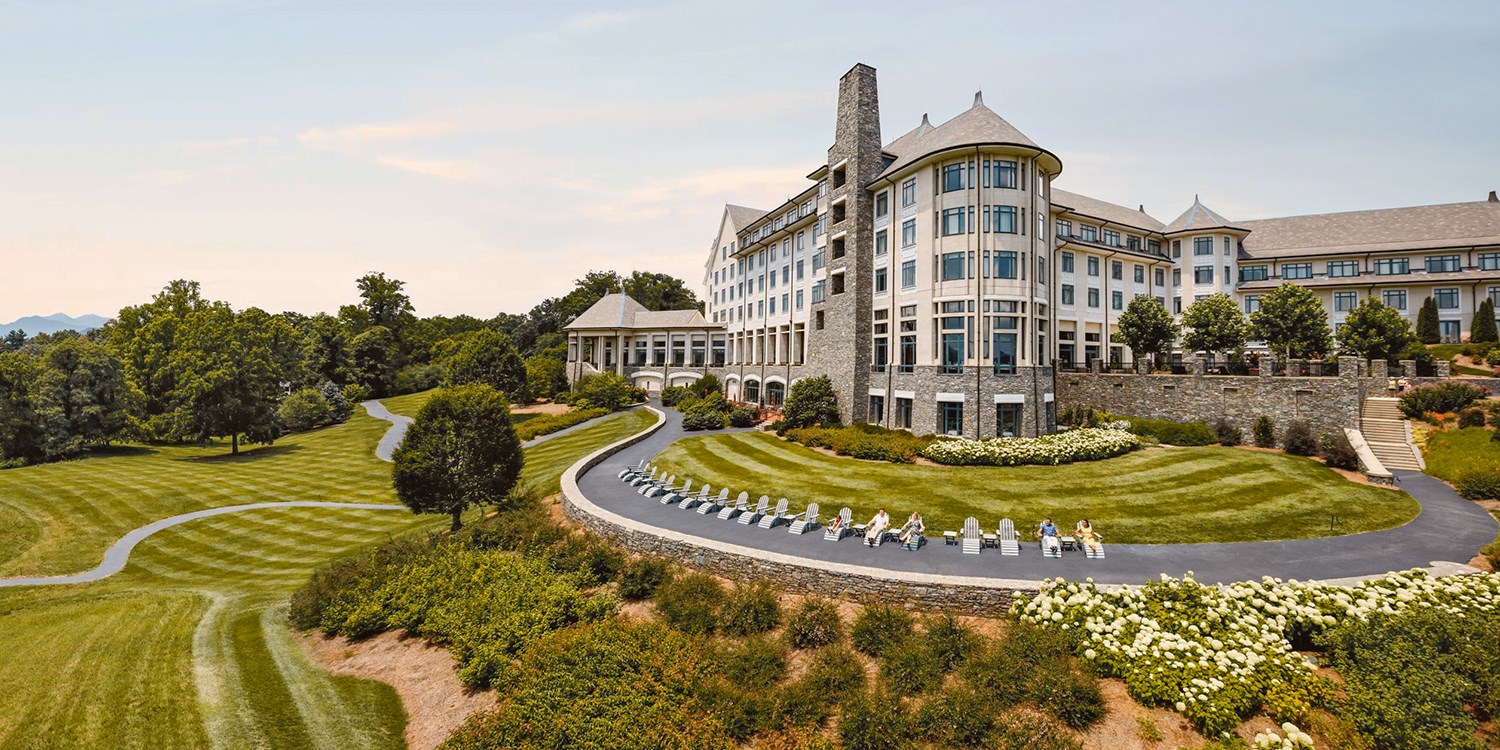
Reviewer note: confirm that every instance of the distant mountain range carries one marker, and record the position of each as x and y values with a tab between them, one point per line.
34	324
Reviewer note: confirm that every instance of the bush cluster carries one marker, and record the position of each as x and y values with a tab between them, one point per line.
866	441
1048	450
1299	439
640	578
1227	433
547	424
881	627
811	401
1483	484
606	390
750	609
1172	432
1471	417
743	416
703	416
1335	450
1441	398
1006	670
813	624
691	603
1264	432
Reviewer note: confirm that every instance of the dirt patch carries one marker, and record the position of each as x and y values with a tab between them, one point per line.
548	408
423	675
1122	725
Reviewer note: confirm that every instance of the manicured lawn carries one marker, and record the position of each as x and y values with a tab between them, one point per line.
188	647
407	405
1450	453
1150	497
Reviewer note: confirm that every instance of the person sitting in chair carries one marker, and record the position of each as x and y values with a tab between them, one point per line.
877	526
1047	534
913	529
837	525
1087	537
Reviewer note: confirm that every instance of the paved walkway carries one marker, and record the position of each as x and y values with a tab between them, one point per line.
1448	532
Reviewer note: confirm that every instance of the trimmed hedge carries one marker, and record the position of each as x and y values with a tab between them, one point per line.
550	423
866	441
1442	398
1173	432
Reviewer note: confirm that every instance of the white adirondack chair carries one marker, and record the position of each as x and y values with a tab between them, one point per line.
805	522
679	494
741	504
629	471
659	486
775	517
1010	542
754	515
830	534
640	480
971	540
712	505
696	500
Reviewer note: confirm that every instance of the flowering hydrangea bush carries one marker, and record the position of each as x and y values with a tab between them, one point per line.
1295	739
1090	444
1217	653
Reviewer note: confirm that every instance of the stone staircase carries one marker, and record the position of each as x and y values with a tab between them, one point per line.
1385	429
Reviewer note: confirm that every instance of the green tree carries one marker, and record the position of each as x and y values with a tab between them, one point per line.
1482	329
13	340
460	452
1427	323
20	431
546	376
811	401
1214	324
485	356
1374	331
227	374
373	352
304	410
144	338
1146	327
81	397
326	350
705	385
1292	322
385	304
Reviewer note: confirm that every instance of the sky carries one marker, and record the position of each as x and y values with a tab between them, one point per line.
488	155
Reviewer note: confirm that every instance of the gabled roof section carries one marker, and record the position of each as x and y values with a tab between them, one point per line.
1411	228
978	125
1104	210
670	319
1198	218
742	216
616	310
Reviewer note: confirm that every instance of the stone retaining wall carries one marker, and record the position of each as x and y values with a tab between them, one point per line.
971	595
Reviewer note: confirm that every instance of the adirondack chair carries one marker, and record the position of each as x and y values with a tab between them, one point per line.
1010	542
831	534
658	485
696	500
712	505
775	517
741	504
645	478
754	515
806	522
1094	554
679	494
626	472
971	540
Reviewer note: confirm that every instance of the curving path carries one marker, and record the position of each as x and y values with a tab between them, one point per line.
119	553
1446	535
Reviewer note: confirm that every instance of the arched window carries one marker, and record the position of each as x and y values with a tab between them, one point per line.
752	391
775	392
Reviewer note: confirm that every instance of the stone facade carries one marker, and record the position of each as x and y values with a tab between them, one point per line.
1031	388
1325	403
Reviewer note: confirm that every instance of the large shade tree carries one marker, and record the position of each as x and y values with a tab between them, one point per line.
1146	327
1214	324
1375	331
144	338
460	452
80	397
485	356
1292	322
228	375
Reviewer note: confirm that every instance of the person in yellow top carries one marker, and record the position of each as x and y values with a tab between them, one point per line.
1087	537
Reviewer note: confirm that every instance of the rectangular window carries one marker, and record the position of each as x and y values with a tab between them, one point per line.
1489	261
1005	353
882	204
1153	247
952	266
908	352
1494	295
953	351
909	274
1067	294
1228	280
1161	277
950	418
1447	298
1116	270
799	270
1392	266
1295	271
1064	228
1005	264
799	299
1448	329
909	193
1004	219
953	221
1093	266
880	281
1345	301
1252	303
1252	273
1203	274
1111	238
1117	300
1176	248
1067	262
909	233
1342	268
882	243
1176	305
1203	246
1442	263
1003	174
953	177
1090	234
1007	420
1226	247
1140	274
902	419
1093	297
1394	298
877	409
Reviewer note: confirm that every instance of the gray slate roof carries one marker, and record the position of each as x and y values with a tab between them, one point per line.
1199	217
620	311
1386	229
1110	212
742	216
976	126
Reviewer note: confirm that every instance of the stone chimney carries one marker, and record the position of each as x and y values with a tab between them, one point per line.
1493	198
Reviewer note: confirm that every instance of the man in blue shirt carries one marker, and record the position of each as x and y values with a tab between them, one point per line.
1047	532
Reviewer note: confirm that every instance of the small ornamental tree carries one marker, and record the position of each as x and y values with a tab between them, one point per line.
1482	330
811	401
485	356
1214	324
1292	322
460	452
1146	327
1427	323
1374	331
705	385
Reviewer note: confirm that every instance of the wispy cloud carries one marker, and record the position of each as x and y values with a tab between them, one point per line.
374	132
446	169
